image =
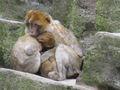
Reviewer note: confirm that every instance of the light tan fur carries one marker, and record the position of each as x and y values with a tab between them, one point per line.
47	41
68	55
25	54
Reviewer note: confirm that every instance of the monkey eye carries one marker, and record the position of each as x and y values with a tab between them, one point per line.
35	25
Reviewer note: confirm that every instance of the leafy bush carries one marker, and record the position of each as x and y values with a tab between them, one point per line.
67	11
12	9
74	21
9	33
108	15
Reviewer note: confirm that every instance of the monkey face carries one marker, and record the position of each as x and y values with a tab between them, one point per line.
36	22
33	29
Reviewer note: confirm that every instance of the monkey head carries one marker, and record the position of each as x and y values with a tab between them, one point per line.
36	22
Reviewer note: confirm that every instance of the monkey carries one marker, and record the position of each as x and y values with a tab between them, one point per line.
33	28
38	22
68	54
48	63
26	49
47	40
49	68
25	54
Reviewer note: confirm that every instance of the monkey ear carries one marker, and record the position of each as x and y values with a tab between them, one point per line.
48	20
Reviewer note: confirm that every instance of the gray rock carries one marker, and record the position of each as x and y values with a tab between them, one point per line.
16	80
102	63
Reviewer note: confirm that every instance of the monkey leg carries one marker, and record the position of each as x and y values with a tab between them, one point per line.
68	62
53	75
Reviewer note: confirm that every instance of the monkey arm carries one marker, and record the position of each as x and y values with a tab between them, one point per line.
48	54
68	62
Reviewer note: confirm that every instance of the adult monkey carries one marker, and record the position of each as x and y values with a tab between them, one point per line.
25	54
38	23
67	59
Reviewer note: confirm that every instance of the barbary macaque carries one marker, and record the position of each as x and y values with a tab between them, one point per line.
38	22
68	61
25	54
47	40
68	55
48	62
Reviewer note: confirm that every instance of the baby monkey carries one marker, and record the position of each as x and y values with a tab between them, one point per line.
46	39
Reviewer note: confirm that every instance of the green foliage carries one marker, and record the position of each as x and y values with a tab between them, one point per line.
11	80
66	11
13	9
16	9
100	67
108	15
74	21
88	76
102	23
9	33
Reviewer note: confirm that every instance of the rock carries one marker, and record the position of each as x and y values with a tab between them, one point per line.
102	64
16	80
87	43
87	8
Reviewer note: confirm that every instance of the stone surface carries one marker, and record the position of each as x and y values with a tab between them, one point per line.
16	80
102	63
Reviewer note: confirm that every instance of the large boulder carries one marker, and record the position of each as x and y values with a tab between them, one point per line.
16	80
102	63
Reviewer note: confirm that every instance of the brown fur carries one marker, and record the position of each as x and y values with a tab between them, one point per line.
61	34
50	63
47	41
36	17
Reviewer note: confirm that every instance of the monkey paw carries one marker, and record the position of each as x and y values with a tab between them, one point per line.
53	75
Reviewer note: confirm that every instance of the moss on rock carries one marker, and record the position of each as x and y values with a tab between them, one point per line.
102	64
15	80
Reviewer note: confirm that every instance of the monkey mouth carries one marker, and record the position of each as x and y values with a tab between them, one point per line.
33	34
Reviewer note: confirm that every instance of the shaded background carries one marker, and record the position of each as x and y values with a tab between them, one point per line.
83	17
